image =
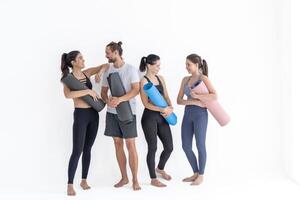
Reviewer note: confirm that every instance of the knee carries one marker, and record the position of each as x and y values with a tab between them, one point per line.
87	150
130	145
186	147
168	149
118	143
152	149
76	153
201	147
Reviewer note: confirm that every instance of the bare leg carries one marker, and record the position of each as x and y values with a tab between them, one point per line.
121	158
133	162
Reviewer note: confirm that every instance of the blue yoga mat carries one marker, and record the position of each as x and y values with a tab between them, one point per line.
158	100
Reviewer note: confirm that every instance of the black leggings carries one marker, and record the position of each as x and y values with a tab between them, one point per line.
85	129
154	125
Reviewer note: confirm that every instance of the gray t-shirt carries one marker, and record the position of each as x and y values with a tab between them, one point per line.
129	74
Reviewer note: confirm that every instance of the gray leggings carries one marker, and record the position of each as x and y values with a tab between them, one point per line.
194	122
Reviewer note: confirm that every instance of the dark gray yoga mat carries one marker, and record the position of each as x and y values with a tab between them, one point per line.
74	84
117	89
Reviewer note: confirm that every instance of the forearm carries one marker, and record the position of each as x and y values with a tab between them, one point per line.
76	94
132	93
96	70
168	100
186	102
104	96
150	106
207	97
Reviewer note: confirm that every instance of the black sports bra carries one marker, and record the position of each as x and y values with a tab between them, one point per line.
159	87
85	81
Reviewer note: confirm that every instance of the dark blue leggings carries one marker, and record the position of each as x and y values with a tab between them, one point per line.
194	122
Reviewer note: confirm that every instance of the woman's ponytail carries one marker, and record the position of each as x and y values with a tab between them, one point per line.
64	67
66	62
143	64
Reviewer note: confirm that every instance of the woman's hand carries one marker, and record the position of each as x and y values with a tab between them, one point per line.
167	111
102	70
195	95
94	95
97	78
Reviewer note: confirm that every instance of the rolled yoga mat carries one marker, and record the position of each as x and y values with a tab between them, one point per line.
213	107
74	84
158	100
117	89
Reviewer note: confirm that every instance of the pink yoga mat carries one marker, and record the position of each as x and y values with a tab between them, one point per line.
213	107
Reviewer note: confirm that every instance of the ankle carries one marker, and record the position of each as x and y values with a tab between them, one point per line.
134	180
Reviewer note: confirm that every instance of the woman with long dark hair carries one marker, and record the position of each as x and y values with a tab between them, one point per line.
195	115
86	119
153	122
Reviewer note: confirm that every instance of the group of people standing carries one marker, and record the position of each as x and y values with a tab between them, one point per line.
154	125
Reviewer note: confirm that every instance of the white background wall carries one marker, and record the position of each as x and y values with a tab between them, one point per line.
247	47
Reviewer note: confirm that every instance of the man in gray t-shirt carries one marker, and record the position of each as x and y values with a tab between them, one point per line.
115	128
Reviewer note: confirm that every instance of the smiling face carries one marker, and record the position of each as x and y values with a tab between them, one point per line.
111	55
191	67
154	69
78	62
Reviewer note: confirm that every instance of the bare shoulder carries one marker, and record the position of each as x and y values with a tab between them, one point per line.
143	80
204	77
185	79
161	77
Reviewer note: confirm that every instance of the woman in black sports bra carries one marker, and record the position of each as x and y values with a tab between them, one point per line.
86	119
153	121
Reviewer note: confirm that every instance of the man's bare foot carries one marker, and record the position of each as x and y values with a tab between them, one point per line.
164	174
84	184
121	183
157	183
198	180
70	190
136	186
191	178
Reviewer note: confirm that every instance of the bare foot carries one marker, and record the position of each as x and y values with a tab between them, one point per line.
157	183
84	184
198	180
121	183
164	174
191	178
70	190
136	186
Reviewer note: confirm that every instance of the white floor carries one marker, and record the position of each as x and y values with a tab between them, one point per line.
251	188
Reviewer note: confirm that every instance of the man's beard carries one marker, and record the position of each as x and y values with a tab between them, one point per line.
111	60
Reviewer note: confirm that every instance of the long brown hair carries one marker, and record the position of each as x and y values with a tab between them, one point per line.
66	62
194	58
150	59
